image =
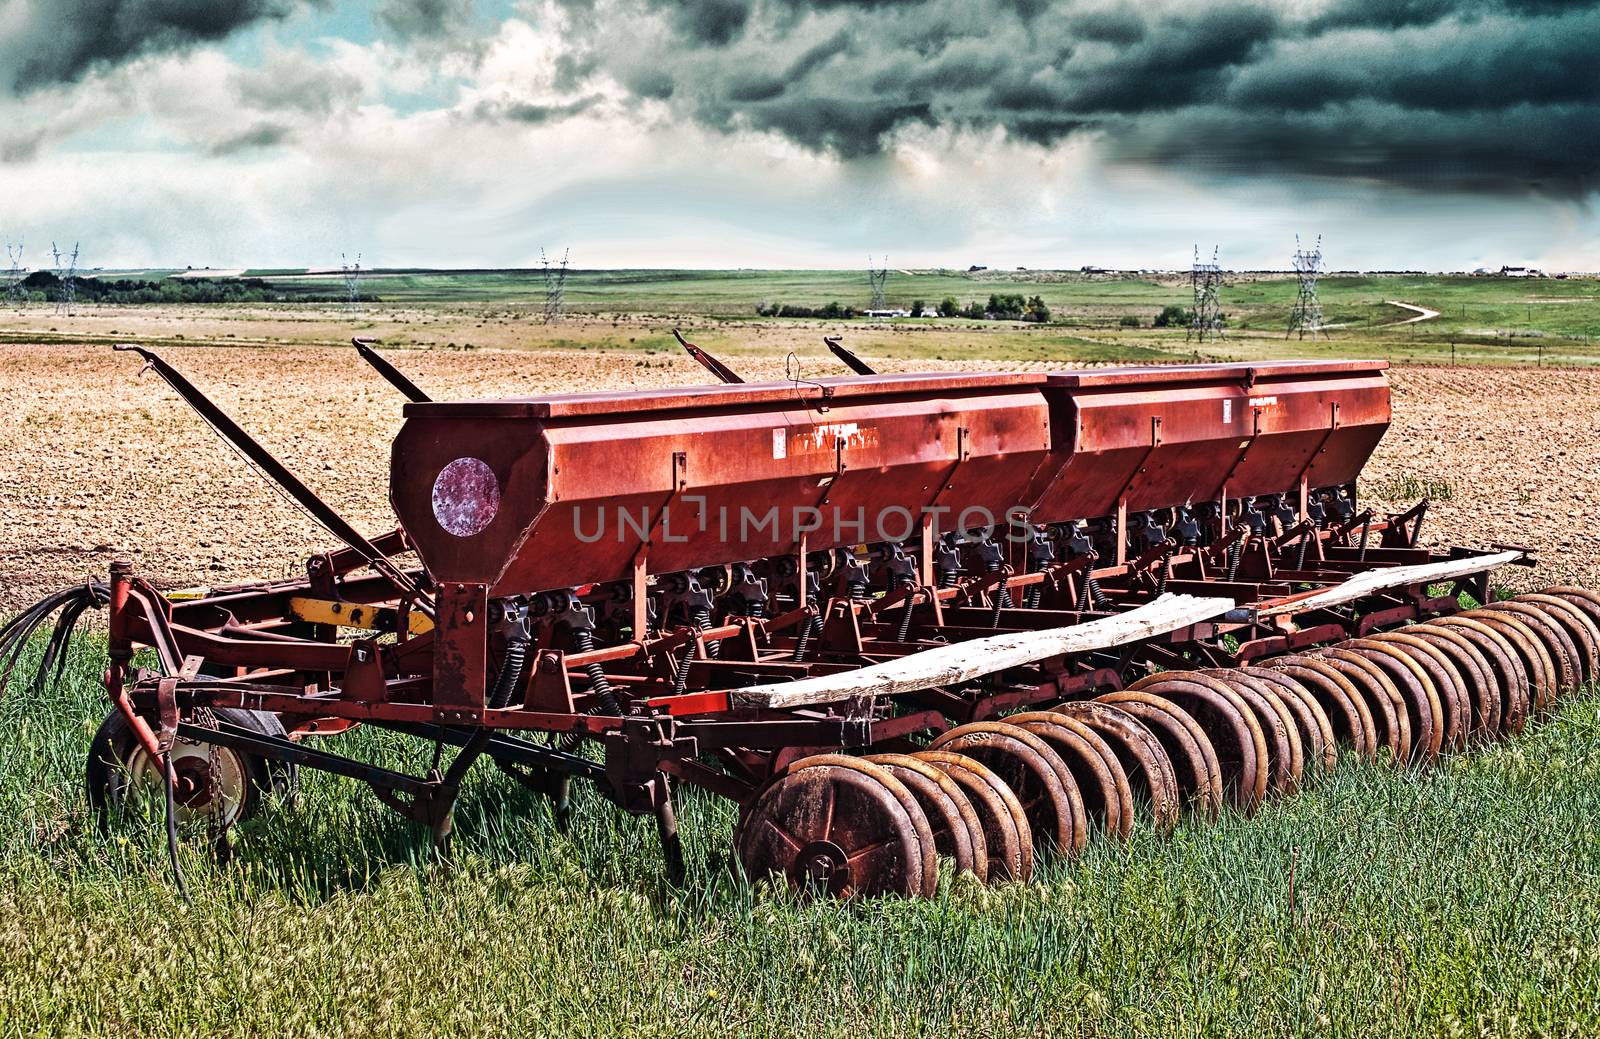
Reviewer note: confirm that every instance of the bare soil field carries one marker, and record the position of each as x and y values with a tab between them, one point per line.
97	462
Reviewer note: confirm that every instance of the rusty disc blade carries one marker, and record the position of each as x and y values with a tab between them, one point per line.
1582	630
1034	772
1527	681
1556	640
1385	703
1102	783
957	834
1424	708
841	826
1477	675
1346	710
1585	600
1227	719
1316	732
1285	755
1008	841
1510	675
1150	771
1454	698
1536	659
1194	759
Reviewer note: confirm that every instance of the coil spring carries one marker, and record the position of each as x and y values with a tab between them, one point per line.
1002	598
1235	557
904	630
813	627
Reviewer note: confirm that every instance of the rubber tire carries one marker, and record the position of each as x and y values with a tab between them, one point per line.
115	739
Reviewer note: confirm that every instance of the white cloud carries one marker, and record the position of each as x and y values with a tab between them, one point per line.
195	159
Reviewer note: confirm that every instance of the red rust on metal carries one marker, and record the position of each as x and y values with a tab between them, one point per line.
1140	752
1035	772
1102	783
1229	723
1005	826
840	825
1188	748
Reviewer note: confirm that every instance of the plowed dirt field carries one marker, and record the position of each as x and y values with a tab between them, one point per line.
97	462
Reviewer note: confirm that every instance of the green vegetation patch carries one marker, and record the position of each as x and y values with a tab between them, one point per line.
1381	902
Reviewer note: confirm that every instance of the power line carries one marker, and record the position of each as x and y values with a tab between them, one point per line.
1205	279
16	294
555	286
352	284
1306	317
68	277
878	277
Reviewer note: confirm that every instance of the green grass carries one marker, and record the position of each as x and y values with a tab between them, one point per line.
1482	319
1463	901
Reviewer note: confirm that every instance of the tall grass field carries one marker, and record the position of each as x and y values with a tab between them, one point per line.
1382	901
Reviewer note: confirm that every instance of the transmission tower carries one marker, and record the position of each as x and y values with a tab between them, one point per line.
68	276
1306	318
555	285
879	279
16	295
1205	279
352	284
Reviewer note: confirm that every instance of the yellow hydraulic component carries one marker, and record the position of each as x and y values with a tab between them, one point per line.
355	615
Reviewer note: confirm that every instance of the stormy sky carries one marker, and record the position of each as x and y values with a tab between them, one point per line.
1438	134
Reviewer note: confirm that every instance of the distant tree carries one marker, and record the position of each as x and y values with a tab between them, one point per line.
1129	321
917	307
1036	310
948	307
1172	316
975	311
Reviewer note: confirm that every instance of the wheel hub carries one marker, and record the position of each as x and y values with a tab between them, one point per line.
822	864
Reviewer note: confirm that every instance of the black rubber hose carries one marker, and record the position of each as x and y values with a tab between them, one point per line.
172	825
511	669
598	682
1101	603
1083	593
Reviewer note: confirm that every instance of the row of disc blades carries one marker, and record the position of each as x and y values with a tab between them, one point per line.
991	795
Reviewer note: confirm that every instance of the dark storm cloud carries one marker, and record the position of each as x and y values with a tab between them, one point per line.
261	135
1481	94
431	21
58	41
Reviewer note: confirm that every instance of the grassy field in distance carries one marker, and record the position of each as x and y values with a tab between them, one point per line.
1481	319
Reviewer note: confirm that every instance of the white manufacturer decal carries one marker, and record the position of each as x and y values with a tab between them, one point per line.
780	443
1227	410
1263	402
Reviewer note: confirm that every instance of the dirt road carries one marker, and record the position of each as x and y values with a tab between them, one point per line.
1423	313
96	462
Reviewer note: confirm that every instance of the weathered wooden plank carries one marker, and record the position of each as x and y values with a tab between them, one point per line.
965	661
1370	581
